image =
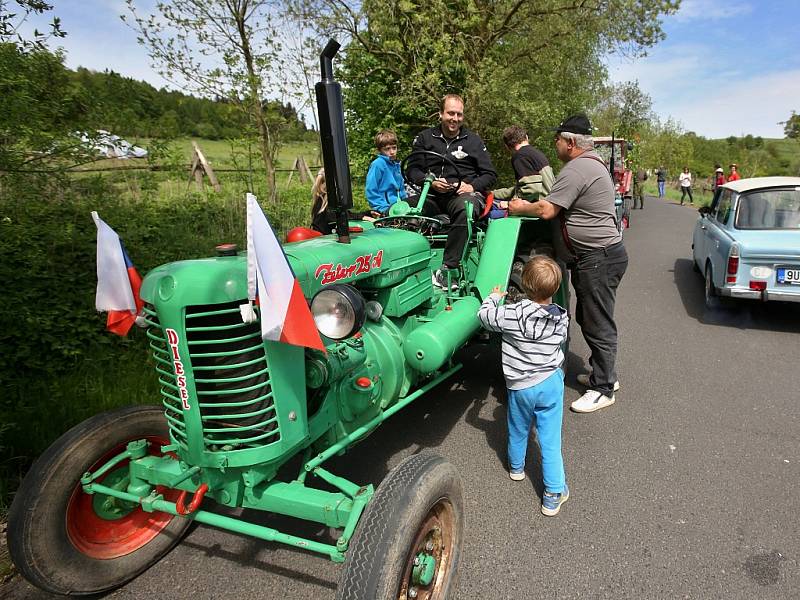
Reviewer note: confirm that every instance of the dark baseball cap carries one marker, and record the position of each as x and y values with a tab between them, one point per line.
575	124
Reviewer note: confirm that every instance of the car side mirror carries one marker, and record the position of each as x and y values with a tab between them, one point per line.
704	210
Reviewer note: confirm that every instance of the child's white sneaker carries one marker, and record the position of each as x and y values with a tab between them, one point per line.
591	401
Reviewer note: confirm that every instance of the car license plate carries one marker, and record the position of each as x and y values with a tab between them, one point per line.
790	276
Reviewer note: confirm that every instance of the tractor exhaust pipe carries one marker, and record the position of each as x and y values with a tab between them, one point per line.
333	138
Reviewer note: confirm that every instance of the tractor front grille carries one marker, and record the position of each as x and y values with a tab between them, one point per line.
231	378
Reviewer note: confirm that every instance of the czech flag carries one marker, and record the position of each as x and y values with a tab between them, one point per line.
285	315
118	282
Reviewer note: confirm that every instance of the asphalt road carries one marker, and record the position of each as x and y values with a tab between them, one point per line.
686	488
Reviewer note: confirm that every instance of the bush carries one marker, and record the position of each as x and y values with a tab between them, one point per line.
60	366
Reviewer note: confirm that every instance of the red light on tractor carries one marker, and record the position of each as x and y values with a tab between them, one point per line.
758	285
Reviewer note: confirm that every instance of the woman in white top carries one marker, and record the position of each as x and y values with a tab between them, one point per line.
685	179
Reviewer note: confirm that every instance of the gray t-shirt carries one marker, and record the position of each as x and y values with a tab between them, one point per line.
584	191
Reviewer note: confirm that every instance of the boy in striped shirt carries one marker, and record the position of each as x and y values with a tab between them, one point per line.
533	331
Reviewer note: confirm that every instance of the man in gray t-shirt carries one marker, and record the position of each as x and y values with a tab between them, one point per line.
581	203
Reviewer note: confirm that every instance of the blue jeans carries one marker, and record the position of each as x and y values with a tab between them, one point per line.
544	404
661	185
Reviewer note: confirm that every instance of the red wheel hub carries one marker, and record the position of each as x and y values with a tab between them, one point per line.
105	538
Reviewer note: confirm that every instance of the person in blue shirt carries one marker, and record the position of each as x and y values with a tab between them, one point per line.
384	181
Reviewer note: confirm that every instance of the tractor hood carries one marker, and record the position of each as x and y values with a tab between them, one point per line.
376	258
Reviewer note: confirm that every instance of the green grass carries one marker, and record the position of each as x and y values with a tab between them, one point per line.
674	195
223	154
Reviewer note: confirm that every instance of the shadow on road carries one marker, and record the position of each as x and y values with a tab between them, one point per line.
741	314
248	558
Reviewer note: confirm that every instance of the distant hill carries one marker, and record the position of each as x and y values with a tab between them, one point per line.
756	156
132	108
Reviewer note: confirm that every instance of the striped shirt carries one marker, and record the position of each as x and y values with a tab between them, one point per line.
532	338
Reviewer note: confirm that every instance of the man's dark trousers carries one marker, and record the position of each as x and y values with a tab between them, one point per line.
595	277
457	234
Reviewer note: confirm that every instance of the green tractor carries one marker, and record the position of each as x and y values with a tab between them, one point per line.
250	423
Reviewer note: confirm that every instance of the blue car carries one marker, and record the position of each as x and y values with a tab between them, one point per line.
747	243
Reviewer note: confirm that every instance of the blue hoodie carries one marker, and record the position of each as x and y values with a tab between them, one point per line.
384	184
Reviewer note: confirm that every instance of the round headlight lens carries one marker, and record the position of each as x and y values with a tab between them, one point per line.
338	311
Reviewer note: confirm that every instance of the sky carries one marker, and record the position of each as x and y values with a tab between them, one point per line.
726	67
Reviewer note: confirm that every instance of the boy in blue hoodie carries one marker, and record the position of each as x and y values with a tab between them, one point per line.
533	331
384	181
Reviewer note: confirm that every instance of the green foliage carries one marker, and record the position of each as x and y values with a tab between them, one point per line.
11	20
61	366
132	108
513	62
622	109
39	106
791	127
666	144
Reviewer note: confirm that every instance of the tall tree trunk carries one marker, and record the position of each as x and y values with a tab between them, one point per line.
266	143
267	148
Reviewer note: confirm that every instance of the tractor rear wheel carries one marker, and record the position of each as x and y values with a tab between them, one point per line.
65	541
408	542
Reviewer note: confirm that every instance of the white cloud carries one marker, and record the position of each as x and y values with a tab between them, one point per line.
709	97
712	10
663	71
754	105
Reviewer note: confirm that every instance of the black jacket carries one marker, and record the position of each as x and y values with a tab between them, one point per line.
467	151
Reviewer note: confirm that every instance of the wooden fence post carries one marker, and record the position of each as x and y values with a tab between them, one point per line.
303	172
201	165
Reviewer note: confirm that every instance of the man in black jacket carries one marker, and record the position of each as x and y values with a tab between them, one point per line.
468	152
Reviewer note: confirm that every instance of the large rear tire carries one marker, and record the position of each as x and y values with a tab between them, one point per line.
67	542
408	542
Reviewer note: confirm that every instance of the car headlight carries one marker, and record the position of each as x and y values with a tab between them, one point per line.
338	310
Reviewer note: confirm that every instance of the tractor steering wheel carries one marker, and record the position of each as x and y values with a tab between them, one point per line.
443	157
413	222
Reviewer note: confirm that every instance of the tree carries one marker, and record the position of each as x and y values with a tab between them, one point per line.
39	111
623	109
10	23
665	145
512	60
791	127
221	48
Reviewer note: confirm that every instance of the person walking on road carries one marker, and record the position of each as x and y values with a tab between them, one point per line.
533	331
661	178
638	188
685	180
582	199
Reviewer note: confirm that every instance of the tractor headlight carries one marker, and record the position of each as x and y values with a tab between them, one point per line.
339	311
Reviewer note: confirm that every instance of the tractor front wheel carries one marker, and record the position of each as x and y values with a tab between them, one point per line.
65	541
408	542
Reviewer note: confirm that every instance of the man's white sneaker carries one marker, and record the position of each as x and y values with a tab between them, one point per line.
583	379
591	401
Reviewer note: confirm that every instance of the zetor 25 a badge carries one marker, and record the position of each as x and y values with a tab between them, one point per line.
327	273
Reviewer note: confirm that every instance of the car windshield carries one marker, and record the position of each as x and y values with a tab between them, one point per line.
769	209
